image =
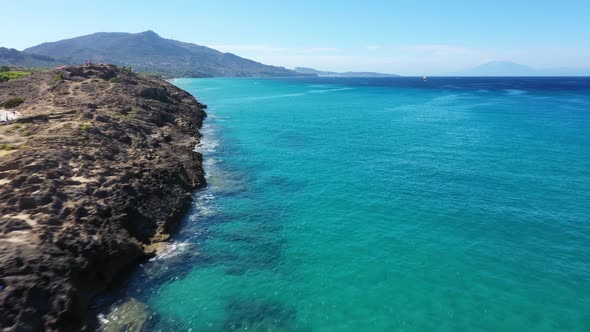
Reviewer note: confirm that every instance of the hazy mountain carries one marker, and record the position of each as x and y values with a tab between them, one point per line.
12	57
312	71
148	52
499	68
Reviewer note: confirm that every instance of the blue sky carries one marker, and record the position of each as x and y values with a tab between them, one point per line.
405	37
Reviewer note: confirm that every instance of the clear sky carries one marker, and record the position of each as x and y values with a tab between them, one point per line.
404	37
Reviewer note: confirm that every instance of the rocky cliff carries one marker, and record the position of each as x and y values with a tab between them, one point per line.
94	173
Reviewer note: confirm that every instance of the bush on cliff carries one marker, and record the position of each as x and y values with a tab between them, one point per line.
7	146
12	75
12	102
58	77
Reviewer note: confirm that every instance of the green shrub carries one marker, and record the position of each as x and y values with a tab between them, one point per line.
114	79
12	102
4	69
12	75
22	129
58	77
7	146
84	126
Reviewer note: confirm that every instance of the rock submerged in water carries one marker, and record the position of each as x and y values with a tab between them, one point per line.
129	316
101	168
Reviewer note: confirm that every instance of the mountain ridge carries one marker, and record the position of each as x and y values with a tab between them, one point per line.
305	70
499	68
13	57
148	52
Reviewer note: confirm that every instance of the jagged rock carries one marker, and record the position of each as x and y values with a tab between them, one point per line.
100	171
154	93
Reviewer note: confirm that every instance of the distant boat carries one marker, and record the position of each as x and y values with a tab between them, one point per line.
425	78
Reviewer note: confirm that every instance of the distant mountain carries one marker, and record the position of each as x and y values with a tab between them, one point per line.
148	52
499	68
12	57
312	71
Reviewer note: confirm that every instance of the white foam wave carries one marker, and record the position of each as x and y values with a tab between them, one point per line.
208	197
208	89
208	143
207	146
318	86
514	92
215	117
205	210
171	250
286	95
209	162
329	90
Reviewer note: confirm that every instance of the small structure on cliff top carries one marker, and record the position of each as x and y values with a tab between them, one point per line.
8	115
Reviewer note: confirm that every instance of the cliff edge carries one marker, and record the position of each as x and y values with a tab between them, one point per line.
95	171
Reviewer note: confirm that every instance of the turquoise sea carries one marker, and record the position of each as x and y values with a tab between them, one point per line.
453	204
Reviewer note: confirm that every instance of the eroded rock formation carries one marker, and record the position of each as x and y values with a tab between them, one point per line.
95	172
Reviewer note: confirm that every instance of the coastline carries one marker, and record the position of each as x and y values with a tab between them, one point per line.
116	309
102	171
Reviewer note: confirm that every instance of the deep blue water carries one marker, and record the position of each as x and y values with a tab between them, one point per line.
334	204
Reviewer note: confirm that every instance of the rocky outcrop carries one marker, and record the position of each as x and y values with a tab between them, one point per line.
99	170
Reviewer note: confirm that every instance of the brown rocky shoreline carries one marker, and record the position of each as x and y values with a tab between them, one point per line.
95	172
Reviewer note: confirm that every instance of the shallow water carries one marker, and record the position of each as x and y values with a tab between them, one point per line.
380	205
